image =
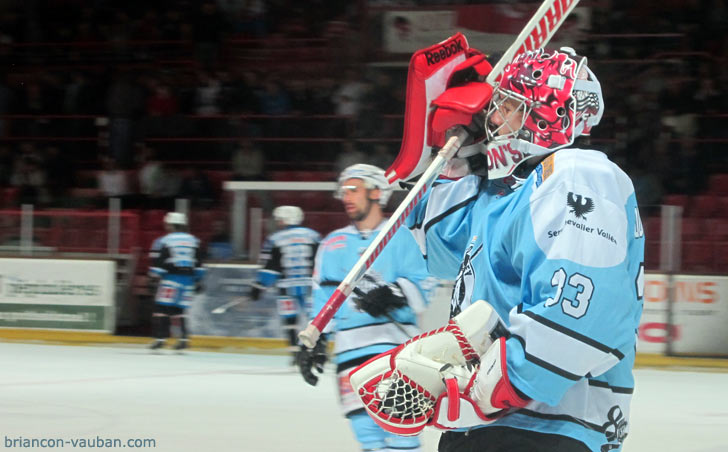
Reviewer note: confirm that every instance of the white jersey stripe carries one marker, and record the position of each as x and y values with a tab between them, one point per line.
552	348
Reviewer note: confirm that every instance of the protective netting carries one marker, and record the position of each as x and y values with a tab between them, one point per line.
396	398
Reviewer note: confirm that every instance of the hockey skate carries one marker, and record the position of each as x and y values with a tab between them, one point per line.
181	345
157	344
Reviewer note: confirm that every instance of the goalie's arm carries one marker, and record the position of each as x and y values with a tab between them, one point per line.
441	224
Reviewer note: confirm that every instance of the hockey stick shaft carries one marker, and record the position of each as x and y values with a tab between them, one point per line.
310	335
537	32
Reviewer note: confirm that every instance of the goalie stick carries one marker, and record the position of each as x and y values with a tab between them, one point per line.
537	32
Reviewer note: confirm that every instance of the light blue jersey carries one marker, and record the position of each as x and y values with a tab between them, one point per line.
287	260
357	334
176	261
561	261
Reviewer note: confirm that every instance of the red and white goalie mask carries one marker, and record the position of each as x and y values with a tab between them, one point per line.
543	102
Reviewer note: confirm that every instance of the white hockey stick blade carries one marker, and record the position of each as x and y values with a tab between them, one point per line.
537	32
222	309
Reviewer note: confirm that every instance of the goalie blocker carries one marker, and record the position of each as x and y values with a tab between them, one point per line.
452	377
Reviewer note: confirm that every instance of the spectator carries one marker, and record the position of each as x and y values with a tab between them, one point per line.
123	104
30	179
196	186
60	170
112	181
149	176
161	101
348	96
348	156
219	248
248	161
208	30
207	94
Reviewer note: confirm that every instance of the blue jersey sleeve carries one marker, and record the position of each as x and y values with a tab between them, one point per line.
440	224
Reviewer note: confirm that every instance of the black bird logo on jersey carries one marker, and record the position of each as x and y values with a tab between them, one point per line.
578	206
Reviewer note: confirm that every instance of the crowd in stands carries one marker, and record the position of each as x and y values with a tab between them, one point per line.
250	114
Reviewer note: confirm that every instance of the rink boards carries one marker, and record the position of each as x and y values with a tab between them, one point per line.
57	294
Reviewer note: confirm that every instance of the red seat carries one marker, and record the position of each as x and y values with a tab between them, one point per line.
720	257
697	255
652	254
721	210
325	222
702	206
675	200
148	237
153	219
652	228
718	184
717	229
693	229
284	175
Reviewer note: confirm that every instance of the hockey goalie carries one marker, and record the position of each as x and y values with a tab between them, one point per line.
545	228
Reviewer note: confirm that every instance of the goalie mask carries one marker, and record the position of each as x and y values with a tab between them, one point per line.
372	176
288	215
544	101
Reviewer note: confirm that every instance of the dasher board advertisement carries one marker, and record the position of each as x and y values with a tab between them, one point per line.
226	309
57	293
699	315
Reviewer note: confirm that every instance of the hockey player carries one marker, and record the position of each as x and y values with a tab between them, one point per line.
177	263
287	262
382	310
554	243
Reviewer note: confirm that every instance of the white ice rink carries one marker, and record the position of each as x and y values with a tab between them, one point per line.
217	402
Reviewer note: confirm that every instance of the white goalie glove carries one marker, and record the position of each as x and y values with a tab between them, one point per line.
451	377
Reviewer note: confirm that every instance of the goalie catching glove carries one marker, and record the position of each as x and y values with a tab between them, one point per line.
309	360
452	377
377	297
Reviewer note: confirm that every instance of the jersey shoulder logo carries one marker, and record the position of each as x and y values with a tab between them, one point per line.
580	206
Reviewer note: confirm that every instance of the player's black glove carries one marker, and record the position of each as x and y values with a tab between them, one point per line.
310	359
378	298
255	291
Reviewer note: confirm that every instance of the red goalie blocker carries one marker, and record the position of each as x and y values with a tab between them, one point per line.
431	72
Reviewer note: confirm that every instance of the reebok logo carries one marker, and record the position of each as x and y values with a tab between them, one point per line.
444	52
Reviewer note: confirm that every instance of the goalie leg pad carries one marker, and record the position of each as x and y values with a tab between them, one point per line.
400	389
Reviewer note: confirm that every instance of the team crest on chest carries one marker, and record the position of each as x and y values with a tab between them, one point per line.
463	289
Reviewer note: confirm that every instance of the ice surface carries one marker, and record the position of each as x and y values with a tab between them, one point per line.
203	401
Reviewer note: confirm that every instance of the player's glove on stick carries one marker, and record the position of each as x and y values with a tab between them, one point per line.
376	297
452	377
255	291
313	359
